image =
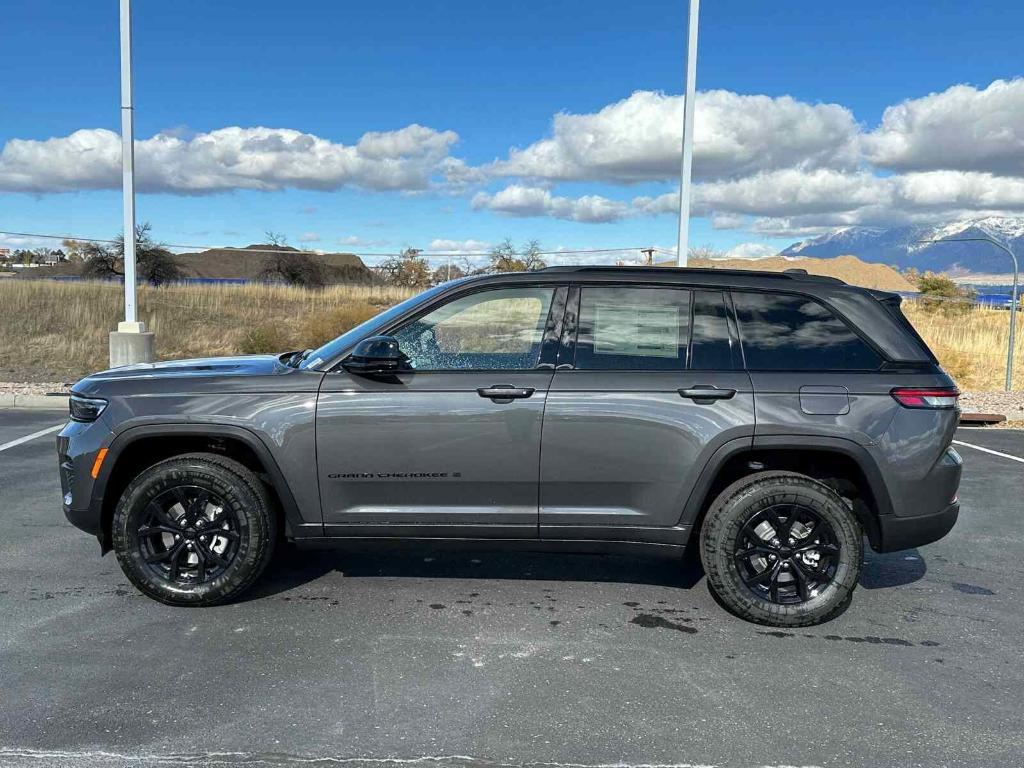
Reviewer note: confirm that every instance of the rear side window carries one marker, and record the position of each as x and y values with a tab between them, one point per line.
633	329
711	348
782	332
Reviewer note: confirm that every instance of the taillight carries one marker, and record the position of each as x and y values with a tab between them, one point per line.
934	398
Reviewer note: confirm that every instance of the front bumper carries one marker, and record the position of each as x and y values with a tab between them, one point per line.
77	446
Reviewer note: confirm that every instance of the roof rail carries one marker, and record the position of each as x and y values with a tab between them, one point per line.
789	274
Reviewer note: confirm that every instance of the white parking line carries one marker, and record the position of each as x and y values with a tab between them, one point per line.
33	436
965	445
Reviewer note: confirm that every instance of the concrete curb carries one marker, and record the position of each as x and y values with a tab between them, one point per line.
51	402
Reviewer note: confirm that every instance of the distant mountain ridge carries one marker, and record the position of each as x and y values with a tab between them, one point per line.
900	246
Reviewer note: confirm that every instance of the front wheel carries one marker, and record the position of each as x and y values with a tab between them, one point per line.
782	549
196	529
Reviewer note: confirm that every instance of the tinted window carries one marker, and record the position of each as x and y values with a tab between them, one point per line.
782	332
711	346
633	328
490	330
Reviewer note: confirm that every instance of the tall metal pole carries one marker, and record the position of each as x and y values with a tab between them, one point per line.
1011	345
686	168
128	161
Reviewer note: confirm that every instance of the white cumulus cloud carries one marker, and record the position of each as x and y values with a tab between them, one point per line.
228	158
962	128
520	200
446	245
639	138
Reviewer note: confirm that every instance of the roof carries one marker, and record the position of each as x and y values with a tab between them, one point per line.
686	272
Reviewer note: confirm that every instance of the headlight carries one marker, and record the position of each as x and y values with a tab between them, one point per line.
85	408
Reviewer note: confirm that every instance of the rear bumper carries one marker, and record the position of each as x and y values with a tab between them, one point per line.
907	532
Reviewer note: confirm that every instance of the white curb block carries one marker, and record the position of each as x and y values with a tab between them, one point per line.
51	402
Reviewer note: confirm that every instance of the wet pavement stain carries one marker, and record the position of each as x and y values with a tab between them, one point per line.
657	622
869	639
437	606
971	589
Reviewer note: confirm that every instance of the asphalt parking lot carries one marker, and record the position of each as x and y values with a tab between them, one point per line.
471	659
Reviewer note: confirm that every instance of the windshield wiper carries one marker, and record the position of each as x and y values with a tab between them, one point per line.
296	359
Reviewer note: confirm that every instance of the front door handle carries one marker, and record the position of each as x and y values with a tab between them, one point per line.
505	393
703	393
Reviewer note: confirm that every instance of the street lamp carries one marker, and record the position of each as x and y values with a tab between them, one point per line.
130	343
686	167
1013	298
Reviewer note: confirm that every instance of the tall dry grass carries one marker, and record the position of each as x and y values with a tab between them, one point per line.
971	346
53	331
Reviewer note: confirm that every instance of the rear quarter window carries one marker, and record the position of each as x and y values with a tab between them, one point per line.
787	332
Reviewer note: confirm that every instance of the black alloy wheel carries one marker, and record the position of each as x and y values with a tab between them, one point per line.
786	553
188	535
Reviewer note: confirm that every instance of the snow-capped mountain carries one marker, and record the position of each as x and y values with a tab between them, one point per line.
899	246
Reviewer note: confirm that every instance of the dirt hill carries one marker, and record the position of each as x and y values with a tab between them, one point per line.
849	269
245	263
248	262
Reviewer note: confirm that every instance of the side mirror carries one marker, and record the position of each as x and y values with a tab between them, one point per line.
376	355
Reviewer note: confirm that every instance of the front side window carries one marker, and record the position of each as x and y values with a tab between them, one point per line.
633	329
794	333
490	330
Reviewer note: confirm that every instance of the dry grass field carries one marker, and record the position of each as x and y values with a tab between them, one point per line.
972	346
57	331
54	331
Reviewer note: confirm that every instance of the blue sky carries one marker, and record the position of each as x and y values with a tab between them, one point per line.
496	74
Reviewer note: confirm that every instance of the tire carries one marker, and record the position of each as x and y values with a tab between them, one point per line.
795	580
194	530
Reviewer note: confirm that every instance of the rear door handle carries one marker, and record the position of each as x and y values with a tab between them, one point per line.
706	394
505	393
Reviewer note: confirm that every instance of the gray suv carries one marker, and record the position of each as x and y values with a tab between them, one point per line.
772	420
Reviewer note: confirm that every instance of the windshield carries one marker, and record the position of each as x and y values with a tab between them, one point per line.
336	346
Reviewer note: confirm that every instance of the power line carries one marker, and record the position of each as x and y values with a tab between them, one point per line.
456	254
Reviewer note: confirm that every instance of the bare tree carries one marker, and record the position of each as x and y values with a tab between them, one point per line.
408	269
275	238
293	268
154	263
100	262
504	257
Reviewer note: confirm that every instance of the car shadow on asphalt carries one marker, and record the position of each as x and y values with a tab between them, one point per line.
892	569
292	567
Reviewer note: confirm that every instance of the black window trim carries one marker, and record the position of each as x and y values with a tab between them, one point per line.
883	358
552	323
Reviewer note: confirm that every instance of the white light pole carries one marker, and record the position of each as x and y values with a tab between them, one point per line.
686	168
128	161
1011	344
129	343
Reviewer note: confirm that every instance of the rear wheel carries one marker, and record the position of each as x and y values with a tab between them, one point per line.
194	530
780	548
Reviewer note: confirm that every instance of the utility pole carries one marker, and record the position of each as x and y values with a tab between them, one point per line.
686	167
648	256
129	343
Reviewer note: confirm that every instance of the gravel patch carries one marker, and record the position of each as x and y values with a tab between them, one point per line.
34	388
1009	404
